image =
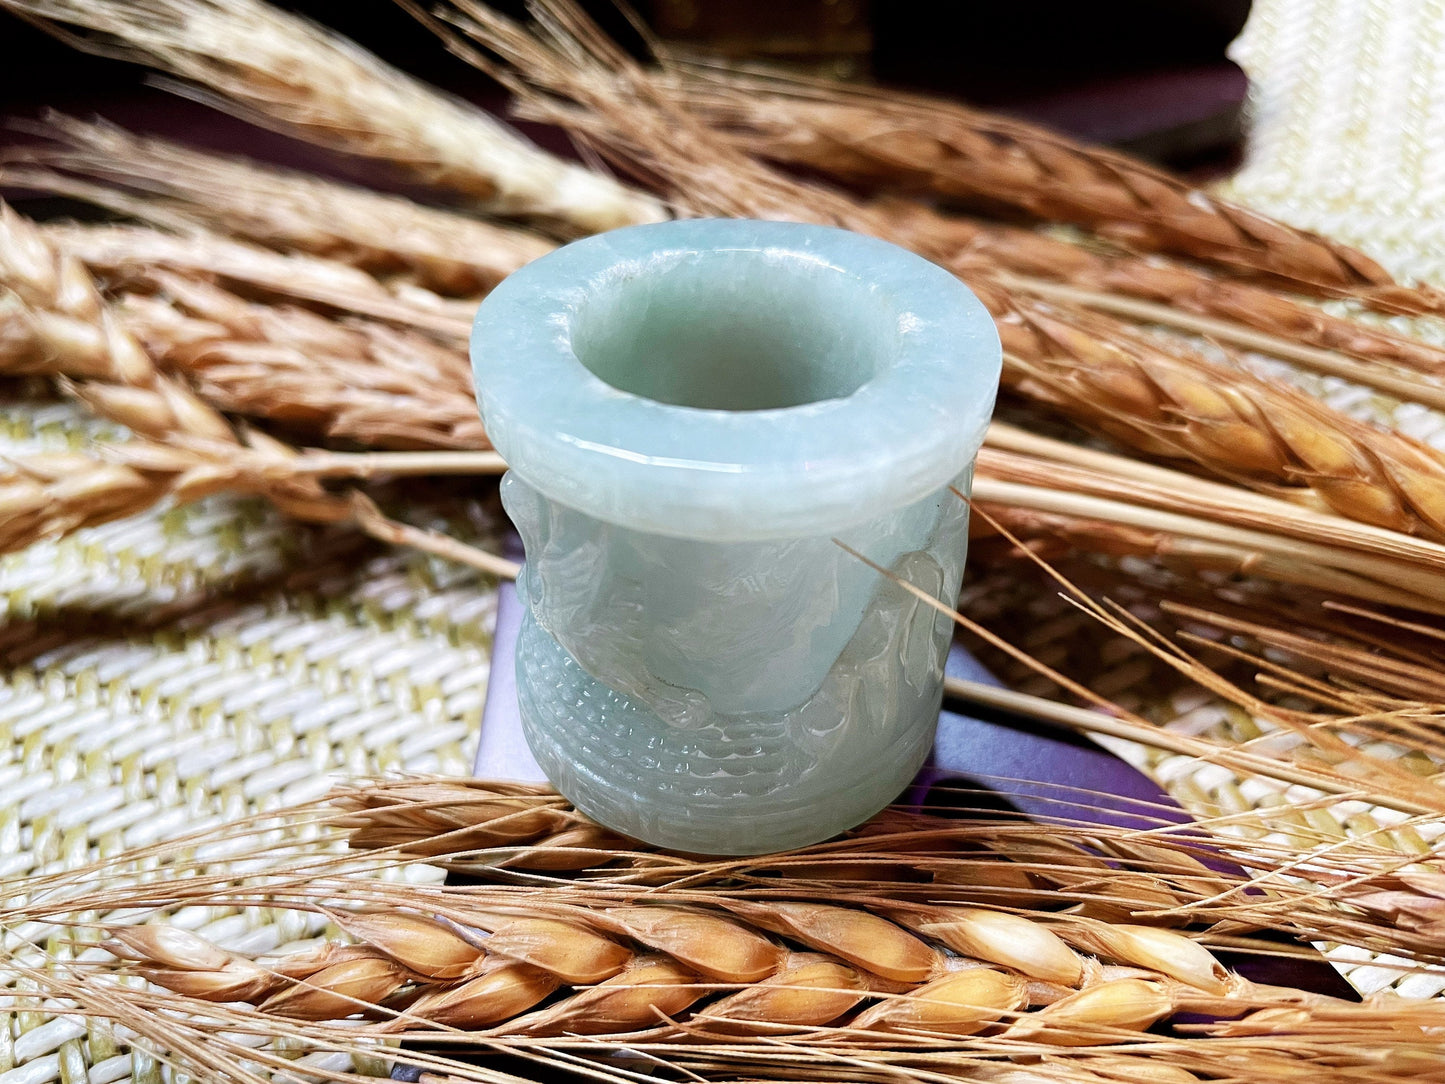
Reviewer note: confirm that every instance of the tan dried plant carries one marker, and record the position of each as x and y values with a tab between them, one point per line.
381	386
277	69
128	256
171	186
646	963
392	389
1159	397
1161	291
891	138
710	972
54	321
1369	889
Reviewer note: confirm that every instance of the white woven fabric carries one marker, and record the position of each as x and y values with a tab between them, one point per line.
1347	124
190	666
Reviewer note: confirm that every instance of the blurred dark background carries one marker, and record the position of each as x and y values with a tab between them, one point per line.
1147	75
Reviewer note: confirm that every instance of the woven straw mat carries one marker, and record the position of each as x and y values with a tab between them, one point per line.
195	664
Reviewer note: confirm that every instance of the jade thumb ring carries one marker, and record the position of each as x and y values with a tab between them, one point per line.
692	413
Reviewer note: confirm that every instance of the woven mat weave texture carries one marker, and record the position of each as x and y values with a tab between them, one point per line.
191	665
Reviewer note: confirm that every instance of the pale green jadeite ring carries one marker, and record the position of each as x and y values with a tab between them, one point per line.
692	412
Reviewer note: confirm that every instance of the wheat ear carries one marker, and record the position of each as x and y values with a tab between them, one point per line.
128	254
276	68
1263	432
908	141
384	387
169	185
799	965
387	388
54	321
1163	291
1162	399
456	254
915	863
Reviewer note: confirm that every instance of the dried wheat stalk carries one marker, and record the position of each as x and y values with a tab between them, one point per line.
1259	431
906	864
940	970
1161	399
129	254
46	496
387	389
1376	479
278	69
714	970
669	977
384	387
886	137
170	185
332	221
1166	291
50	495
718	942
243	351
54	321
459	255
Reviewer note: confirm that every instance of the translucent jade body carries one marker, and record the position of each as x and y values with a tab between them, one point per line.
693	412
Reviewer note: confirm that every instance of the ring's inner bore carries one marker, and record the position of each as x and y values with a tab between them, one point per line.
737	330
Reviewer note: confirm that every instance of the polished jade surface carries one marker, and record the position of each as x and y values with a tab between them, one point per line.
695	413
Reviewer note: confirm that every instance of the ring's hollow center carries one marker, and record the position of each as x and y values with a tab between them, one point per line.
737	330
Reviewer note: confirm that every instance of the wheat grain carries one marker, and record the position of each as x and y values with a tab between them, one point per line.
1095	1014
573	953
167	946
238	980
808	990
1162	951
650	989
279	69
864	940
999	938
498	994
710	945
958	1004
337	991
414	942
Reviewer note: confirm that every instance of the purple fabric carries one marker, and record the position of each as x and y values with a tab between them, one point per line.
1044	774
